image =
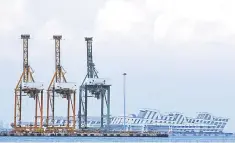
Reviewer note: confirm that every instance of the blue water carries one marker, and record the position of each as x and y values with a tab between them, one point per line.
118	139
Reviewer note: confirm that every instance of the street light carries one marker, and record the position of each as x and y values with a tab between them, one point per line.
124	99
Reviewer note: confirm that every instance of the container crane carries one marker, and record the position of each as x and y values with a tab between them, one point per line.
93	87
59	86
27	87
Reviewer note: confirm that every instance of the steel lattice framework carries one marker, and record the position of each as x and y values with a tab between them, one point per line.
94	87
58	86
26	86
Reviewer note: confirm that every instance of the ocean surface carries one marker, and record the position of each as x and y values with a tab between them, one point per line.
121	139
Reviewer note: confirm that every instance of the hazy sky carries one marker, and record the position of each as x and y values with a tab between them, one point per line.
178	55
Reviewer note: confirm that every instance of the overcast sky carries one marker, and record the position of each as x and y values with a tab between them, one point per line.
178	55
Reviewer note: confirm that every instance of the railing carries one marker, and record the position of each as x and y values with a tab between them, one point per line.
67	85
32	85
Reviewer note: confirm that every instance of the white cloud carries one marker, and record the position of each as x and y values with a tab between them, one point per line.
129	28
11	15
205	10
172	29
50	28
194	17
119	16
44	35
175	21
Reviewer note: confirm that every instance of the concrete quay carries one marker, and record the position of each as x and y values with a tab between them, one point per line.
86	134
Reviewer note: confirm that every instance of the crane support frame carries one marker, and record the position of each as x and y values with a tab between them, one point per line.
67	93
98	91
29	91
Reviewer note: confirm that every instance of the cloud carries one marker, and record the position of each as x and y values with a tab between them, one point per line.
119	17
11	15
175	21
172	30
193	21
12	18
184	47
50	28
162	43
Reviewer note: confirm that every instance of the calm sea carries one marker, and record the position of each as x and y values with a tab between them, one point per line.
120	139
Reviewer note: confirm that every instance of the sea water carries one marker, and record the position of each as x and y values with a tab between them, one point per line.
121	139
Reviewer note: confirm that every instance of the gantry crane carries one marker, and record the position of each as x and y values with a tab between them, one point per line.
60	86
94	87
26	86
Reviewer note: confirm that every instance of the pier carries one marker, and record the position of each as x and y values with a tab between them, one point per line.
85	134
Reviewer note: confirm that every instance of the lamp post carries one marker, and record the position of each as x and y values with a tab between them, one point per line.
124	99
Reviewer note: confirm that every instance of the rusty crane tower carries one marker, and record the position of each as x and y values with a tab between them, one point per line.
27	86
60	87
93	87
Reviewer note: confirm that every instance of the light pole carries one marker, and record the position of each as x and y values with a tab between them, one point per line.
124	99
